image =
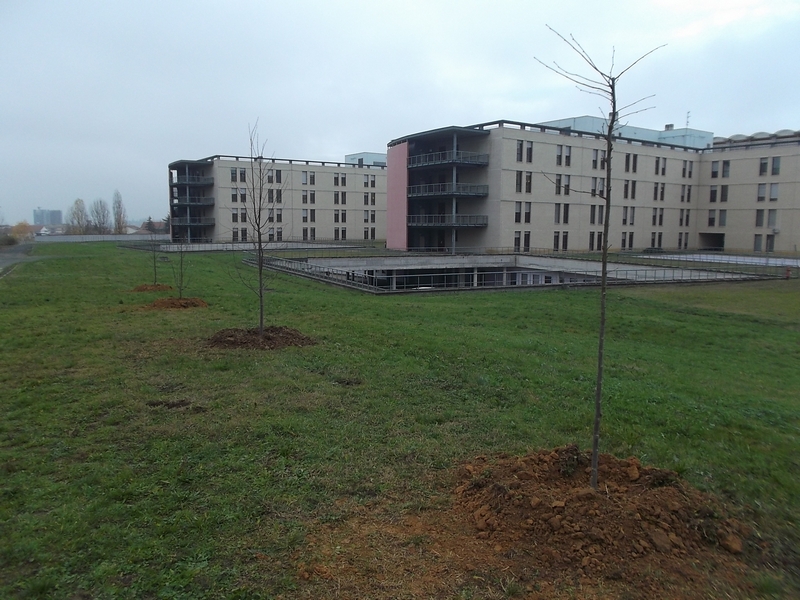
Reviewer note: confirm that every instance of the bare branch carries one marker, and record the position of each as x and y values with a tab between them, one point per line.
646	54
637	102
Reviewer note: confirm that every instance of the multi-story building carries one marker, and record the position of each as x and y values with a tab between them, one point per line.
42	216
306	200
528	186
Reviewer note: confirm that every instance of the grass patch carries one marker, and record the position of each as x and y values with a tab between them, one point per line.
137	462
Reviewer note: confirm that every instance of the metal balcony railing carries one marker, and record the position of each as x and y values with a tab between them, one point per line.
448	189
448	221
194	200
448	157
193	180
192	221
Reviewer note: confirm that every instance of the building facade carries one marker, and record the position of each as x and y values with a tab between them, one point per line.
523	187
211	199
42	216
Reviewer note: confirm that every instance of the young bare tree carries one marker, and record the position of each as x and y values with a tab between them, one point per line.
603	84
180	268
101	216
78	218
120	216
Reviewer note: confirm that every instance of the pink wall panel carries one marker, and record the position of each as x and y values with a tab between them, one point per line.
396	200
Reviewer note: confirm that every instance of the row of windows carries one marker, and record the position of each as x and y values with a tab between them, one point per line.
726	168
273	176
758	243
764	163
772	217
339	216
339	179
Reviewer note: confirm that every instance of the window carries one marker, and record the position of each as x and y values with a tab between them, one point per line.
242	175
770	243
526	246
312	178
558	185
242	195
723	218
519	150
660	217
663	166
305	215
277	177
344	178
631	214
280	234
270	196
235	235
518	212
336	197
592	214
660	234
680	240
366	180
527	212
336	233
712	195
691	168
601	187
564	235
234	196
312	233
683	193
772	217
714	169
243	234
372	181
655	216
335	179
559	154
234	216
372	216
600	214
633	189
591	239
372	233
655	192
528	181
518	186
594	186
726	168
680	223
567	163
776	165
626	188
344	197
312	197
565	218
344	216
557	218
312	215
271	215
723	193
233	175
712	217
594	159
757	240
602	159
630	240
529	152
762	165
661	193
624	239
305	234
653	239
278	196
555	240
762	192
628	162
760	217
635	161
372	198
366	198
687	220
344	233
366	216
517	240
305	197
688	193
658	164
773	192
624	215
279	215
685	165
366	233
304	177
270	176
566	185
243	215
599	240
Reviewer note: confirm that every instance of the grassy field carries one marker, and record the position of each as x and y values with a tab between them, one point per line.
137	462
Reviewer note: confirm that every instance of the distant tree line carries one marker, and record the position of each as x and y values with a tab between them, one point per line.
97	218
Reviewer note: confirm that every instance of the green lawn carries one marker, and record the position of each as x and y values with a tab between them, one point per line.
107	492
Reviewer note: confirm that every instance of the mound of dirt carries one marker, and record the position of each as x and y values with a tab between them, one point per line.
530	527
172	302
274	338
152	288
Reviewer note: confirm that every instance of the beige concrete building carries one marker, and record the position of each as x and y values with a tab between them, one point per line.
521	187
210	199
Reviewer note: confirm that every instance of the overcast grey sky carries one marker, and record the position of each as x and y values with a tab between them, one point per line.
103	95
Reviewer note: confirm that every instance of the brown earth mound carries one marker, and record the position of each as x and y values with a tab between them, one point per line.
152	288
529	527
274	338
172	302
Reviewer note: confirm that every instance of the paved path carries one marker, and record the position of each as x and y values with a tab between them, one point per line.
11	255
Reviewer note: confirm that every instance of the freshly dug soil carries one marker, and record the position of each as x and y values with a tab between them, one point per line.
152	288
274	338
172	302
529	527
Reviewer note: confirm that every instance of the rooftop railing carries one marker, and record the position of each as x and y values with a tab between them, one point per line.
447	189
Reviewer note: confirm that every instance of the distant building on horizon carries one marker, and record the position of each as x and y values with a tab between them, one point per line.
42	216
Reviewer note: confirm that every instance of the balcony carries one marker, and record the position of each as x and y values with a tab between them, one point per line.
448	158
448	221
193	201
192	180
463	190
202	221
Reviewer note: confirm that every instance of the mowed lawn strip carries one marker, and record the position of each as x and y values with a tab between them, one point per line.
137	461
